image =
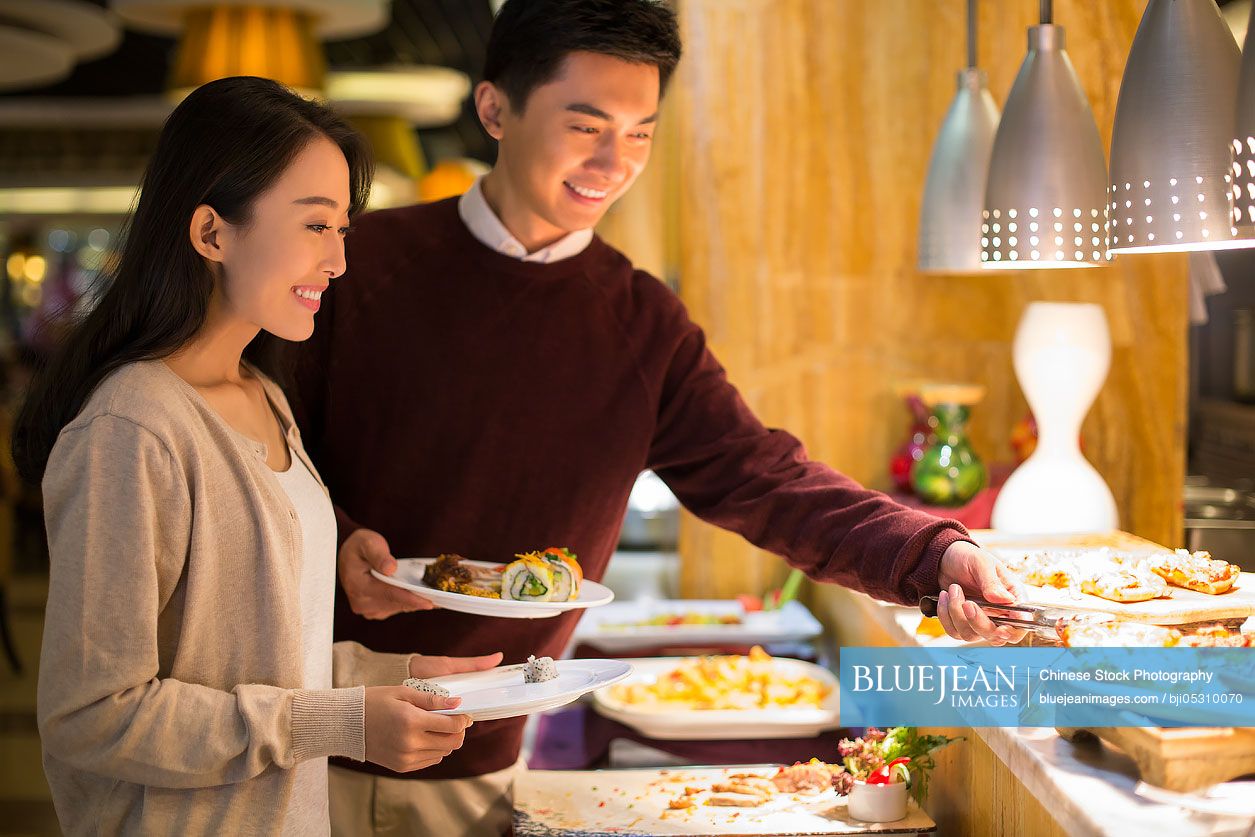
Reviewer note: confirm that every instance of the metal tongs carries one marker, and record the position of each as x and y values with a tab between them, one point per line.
1043	621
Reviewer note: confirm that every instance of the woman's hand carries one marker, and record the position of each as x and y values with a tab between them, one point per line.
423	667
403	734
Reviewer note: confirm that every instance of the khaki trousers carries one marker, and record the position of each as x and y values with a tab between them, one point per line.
363	805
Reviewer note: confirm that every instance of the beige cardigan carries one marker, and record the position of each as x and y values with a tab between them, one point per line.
169	697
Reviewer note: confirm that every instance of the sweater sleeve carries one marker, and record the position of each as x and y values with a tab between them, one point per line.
730	470
353	664
119	515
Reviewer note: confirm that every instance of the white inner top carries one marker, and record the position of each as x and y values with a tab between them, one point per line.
307	810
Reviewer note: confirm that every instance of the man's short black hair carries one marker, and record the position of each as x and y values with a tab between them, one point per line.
530	39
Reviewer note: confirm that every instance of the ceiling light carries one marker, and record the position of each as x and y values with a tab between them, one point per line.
1047	168
1172	147
954	192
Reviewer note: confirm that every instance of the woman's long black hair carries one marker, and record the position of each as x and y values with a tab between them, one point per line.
223	146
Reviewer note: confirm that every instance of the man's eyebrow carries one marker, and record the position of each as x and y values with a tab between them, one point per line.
598	113
589	110
318	200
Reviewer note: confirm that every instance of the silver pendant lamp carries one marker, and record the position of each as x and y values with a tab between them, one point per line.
1046	195
1172	151
954	193
1244	140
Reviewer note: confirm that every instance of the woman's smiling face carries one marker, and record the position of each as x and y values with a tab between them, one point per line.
276	266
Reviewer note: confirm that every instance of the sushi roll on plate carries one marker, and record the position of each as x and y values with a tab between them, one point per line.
567	574
529	579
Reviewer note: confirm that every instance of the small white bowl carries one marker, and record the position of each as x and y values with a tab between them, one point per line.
877	803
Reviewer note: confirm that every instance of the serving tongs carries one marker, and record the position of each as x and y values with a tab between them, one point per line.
1043	621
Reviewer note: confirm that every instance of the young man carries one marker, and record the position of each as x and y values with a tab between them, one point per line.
492	378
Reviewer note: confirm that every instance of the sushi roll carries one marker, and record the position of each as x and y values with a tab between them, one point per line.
539	670
426	686
529	579
567	574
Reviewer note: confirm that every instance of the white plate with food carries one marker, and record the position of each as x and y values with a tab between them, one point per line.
539	585
626	626
723	697
535	686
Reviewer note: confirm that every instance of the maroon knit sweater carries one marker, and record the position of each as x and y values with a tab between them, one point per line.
459	400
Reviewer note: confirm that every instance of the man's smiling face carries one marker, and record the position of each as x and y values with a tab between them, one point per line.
576	147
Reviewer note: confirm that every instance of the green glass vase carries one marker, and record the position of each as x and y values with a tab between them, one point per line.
949	473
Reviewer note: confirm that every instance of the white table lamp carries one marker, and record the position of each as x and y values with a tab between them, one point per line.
1062	354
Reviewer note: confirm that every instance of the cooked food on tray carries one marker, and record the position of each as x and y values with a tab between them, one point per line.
751	790
1118	634
730	681
806	777
1193	570
551	575
678	620
1124	585
1044	570
1121	576
1217	636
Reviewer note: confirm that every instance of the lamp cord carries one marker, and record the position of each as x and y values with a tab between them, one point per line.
971	33
1047	13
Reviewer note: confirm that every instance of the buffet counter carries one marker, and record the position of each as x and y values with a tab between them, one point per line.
1025	781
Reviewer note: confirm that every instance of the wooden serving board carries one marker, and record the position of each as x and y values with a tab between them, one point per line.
591	803
1183	759
1183	608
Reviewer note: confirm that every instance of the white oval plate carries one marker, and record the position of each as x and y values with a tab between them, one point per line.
409	576
722	724
606	629
501	692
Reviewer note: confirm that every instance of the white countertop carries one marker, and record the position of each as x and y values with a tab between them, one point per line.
1088	787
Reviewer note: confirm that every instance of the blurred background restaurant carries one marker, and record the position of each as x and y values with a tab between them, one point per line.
783	203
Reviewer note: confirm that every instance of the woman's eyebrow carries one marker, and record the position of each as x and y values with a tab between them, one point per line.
319	200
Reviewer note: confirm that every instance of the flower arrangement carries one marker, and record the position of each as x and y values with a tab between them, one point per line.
899	754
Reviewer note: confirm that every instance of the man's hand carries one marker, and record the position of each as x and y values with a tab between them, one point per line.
423	667
966	568
361	552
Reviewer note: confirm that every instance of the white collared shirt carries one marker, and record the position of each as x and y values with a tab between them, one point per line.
488	229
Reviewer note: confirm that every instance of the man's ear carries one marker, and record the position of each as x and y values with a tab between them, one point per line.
490	104
205	233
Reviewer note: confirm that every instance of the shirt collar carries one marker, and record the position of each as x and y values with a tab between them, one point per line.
488	229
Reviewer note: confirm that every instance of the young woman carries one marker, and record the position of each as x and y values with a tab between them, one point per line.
186	677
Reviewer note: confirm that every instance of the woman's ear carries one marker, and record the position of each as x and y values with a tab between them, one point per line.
205	233
490	102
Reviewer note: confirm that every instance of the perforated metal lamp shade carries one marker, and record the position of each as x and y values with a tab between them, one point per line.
1046	194
1172	144
954	193
1244	140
